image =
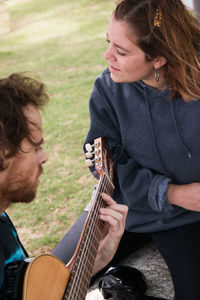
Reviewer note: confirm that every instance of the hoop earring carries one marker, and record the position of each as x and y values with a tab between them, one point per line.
157	75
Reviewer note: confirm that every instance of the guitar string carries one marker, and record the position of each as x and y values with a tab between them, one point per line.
83	256
89	249
82	259
87	240
75	282
99	233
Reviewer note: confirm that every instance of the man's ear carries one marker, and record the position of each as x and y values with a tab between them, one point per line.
159	62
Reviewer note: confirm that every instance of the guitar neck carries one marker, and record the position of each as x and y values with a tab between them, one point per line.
88	245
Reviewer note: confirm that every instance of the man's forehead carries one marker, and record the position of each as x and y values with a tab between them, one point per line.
35	123
33	115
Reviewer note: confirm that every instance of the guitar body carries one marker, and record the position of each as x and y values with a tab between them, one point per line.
46	278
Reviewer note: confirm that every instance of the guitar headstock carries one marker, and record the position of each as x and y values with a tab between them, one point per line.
102	157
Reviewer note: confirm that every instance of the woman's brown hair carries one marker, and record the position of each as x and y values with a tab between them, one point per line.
166	28
16	92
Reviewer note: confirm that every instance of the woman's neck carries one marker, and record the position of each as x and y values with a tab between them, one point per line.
160	85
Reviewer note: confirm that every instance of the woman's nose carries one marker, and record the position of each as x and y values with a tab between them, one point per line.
108	55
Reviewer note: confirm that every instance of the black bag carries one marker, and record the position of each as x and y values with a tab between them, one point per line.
124	283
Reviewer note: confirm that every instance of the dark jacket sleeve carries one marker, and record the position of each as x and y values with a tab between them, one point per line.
136	186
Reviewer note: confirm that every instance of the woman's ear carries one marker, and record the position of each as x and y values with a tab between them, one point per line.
159	62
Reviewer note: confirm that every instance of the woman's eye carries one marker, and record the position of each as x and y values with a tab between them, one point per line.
120	53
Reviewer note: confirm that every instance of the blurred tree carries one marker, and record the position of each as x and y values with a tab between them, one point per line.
196	6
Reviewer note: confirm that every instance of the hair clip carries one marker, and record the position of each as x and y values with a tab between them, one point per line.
158	18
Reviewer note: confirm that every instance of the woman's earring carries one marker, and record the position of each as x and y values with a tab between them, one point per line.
157	75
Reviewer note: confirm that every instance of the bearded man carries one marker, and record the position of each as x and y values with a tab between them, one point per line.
21	163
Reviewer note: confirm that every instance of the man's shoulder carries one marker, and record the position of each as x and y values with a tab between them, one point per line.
5	220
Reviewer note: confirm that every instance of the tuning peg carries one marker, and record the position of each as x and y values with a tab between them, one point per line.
89	147
89	154
89	162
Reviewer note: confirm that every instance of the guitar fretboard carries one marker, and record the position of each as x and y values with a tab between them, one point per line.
82	268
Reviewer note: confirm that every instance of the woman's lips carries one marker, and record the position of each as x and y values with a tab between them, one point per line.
113	69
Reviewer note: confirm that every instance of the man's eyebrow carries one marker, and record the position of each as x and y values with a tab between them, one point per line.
118	46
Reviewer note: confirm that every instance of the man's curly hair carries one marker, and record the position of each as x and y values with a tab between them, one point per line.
16	92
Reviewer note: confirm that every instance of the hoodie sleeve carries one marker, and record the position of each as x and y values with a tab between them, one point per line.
135	186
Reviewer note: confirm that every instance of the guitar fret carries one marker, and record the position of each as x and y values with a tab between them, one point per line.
92	257
94	242
82	269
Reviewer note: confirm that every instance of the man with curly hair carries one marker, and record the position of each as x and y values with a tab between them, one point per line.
21	161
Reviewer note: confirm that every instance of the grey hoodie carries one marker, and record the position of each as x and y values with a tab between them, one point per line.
154	141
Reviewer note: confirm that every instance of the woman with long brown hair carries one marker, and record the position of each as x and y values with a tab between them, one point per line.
147	106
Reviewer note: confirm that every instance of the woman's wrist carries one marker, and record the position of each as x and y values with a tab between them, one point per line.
185	195
171	193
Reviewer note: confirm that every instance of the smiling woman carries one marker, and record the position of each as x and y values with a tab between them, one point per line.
147	105
127	62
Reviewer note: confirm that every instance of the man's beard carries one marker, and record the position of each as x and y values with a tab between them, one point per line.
23	194
19	191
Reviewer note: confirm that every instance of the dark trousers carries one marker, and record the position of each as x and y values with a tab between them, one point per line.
180	247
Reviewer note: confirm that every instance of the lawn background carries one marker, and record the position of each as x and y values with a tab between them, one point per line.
63	41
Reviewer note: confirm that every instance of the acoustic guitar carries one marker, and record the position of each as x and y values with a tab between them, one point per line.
47	277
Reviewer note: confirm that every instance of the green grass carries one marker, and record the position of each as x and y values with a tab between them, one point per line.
63	41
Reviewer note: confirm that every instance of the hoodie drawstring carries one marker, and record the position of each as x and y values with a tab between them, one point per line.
177	132
153	133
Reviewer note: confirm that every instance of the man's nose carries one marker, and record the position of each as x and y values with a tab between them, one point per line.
43	157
